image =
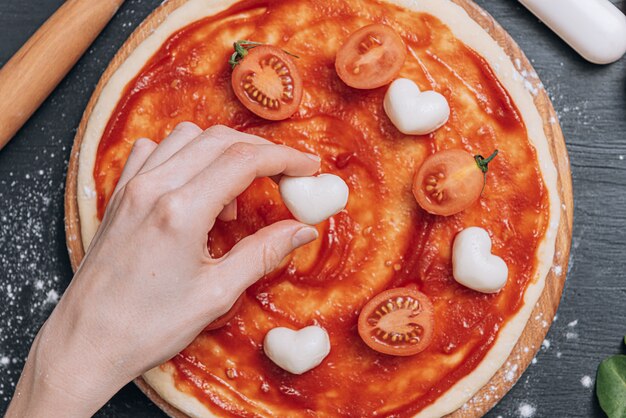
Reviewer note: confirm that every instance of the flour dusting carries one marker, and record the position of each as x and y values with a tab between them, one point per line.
526	410
35	269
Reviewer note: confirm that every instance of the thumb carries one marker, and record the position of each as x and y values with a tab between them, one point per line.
259	254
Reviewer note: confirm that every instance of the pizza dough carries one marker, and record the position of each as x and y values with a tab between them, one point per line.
465	29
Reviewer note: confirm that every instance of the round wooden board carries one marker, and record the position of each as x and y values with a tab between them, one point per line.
543	313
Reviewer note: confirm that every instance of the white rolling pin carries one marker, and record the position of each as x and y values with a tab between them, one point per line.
596	29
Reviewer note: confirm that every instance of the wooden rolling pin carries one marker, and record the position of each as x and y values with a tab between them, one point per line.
40	65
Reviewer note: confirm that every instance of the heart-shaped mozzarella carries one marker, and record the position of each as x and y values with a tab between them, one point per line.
473	265
414	112
314	199
297	351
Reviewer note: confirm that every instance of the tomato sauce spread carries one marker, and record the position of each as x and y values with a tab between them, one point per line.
382	240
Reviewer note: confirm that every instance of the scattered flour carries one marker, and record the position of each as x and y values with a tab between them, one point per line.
586	381
34	268
510	374
526	410
573	323
533	86
53	297
88	192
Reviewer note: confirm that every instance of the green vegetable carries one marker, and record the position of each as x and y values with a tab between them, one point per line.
242	48
483	164
611	385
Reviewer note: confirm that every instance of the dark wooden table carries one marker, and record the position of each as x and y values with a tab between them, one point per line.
590	101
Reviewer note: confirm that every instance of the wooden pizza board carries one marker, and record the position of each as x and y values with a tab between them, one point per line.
543	313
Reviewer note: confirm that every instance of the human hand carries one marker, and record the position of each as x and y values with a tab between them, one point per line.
147	285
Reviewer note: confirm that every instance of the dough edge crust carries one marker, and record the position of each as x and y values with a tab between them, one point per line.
464	28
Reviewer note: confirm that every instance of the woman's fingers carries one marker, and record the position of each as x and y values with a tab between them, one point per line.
229	213
202	151
142	149
259	254
183	134
232	172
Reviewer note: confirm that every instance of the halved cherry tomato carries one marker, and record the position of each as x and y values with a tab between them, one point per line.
450	181
267	82
223	320
371	57
398	322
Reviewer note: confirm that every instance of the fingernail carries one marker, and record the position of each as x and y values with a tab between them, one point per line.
304	236
313	157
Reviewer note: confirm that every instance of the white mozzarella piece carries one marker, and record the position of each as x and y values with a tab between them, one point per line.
297	351
473	265
314	199
414	112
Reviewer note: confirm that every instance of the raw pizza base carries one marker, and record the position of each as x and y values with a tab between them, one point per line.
465	29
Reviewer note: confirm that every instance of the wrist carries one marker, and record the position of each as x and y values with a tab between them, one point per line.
46	390
75	347
74	372
67	372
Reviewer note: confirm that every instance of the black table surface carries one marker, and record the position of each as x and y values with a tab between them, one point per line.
590	101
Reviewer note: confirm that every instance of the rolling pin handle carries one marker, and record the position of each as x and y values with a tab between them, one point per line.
29	77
